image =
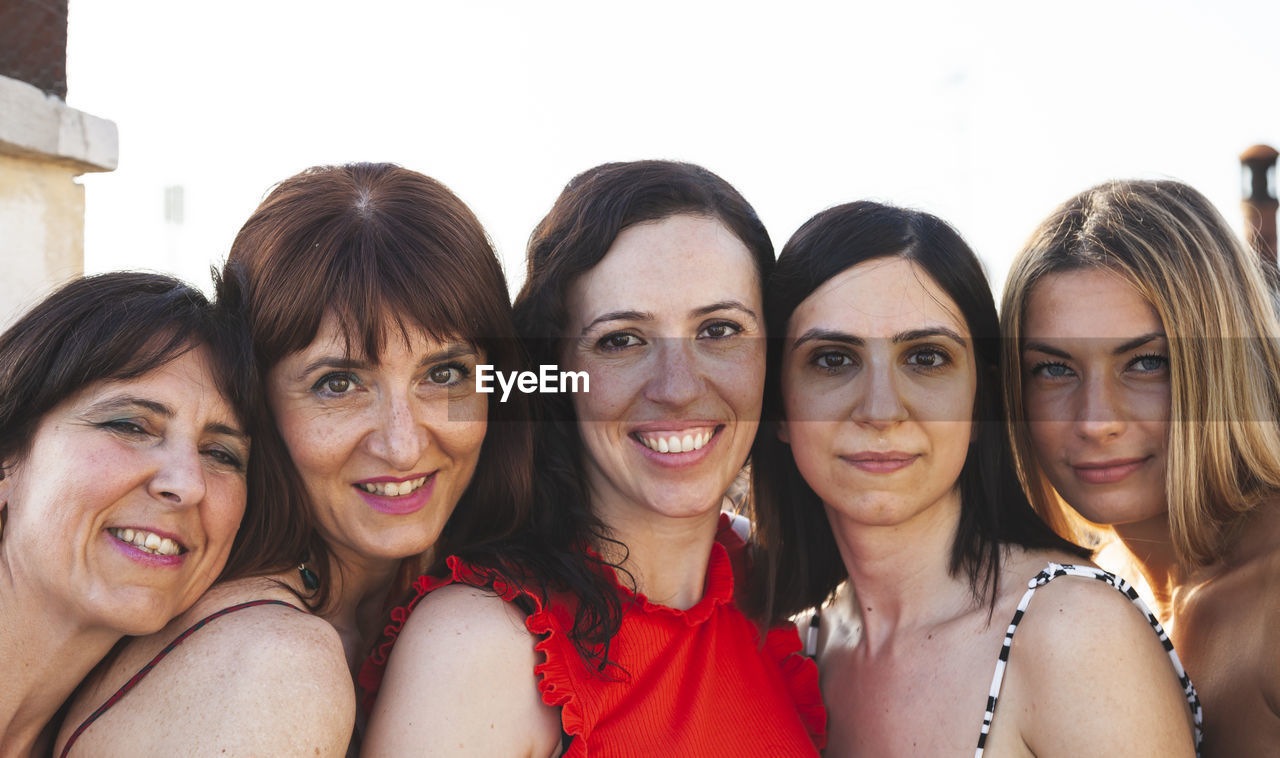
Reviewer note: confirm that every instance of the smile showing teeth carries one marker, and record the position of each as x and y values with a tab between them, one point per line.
147	541
392	489
690	440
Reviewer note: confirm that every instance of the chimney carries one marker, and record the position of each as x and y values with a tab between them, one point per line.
1260	204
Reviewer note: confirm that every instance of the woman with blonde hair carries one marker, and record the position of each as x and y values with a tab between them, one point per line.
1143	381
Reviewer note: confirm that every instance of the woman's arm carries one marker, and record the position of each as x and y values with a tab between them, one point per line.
460	681
1094	679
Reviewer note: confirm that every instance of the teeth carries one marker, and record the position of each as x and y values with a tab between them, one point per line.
392	489
148	541
676	443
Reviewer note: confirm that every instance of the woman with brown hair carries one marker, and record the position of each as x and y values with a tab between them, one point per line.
612	627
372	294
125	418
1142	356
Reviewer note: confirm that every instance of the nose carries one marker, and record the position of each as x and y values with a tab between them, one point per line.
1097	415
677	379
179	477
399	438
880	405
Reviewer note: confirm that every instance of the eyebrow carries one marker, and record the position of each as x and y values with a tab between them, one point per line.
912	335
1120	349
131	402
452	350
723	305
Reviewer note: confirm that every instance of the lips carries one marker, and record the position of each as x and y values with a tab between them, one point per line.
148	547
679	444
880	462
397	495
1107	472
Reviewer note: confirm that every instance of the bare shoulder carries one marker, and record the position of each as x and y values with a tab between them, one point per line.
460	679
1088	675
265	679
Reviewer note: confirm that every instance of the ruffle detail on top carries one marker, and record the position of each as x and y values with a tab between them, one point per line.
800	674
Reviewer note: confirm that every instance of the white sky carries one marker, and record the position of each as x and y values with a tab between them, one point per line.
987	115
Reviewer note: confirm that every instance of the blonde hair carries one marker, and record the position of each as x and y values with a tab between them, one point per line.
1217	303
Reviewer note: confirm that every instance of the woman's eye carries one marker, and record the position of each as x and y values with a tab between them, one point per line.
125	426
928	358
832	361
719	330
225	458
1150	363
335	384
1051	370
618	341
448	374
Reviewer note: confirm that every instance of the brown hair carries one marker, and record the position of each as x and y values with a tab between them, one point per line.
384	249
1217	305
115	326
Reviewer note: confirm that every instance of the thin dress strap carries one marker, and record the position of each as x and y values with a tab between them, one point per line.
124	690
1050	573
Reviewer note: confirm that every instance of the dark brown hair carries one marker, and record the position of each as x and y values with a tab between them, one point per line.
386	250
116	326
805	566
590	213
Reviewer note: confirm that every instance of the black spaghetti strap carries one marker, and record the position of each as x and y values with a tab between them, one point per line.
124	690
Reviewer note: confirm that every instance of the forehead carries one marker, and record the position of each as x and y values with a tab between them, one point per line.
677	262
1087	303
184	384
878	298
398	335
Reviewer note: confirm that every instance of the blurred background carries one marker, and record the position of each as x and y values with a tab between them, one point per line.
988	114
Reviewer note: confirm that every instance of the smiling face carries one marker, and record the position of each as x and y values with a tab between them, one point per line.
1095	373
878	385
669	327
123	509
386	449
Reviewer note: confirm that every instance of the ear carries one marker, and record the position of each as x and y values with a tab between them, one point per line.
784	432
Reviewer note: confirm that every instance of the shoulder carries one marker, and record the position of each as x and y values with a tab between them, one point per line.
462	672
1090	673
267	680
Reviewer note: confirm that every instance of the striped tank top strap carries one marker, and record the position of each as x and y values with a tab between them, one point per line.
133	681
1051	572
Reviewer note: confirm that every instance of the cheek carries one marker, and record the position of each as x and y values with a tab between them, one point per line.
315	443
462	440
613	390
224	510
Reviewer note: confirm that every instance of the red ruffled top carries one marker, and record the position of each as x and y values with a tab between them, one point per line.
691	682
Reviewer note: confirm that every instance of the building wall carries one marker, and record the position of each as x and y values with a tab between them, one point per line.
44	145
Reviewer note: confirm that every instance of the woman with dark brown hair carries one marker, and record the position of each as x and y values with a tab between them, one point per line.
372	294
125	404
612	627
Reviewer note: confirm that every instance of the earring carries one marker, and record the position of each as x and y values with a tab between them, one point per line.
309	578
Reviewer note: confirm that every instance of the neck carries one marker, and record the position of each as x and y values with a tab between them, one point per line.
1150	543
900	572
1255	535
45	659
667	556
359	591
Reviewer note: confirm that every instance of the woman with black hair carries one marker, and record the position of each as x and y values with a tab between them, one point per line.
125	410
613	628
906	514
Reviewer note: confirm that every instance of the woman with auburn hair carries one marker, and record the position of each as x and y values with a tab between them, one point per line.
1143	377
372	293
612	627
125	422
965	626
